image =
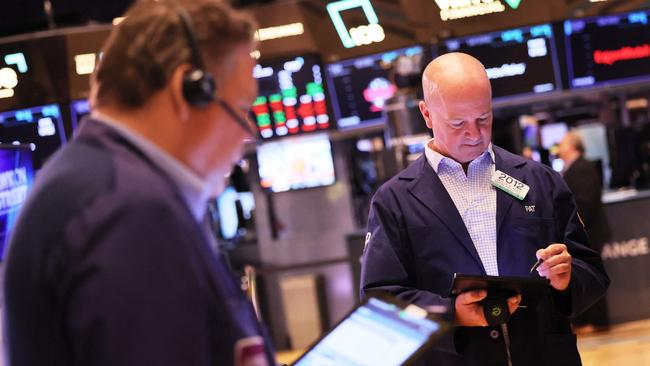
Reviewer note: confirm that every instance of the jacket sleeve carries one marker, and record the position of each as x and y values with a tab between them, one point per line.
387	263
131	299
589	281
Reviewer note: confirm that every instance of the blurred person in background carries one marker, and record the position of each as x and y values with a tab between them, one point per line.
585	181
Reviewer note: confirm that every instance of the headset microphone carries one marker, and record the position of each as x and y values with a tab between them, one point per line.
199	87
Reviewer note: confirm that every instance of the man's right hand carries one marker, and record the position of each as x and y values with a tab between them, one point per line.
469	311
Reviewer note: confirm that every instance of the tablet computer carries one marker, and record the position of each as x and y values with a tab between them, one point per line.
530	288
381	331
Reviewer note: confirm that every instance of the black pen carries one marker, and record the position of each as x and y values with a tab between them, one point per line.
539	261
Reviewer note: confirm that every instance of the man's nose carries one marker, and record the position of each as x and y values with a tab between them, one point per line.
473	131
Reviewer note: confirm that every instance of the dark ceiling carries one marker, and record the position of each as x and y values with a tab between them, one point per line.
24	16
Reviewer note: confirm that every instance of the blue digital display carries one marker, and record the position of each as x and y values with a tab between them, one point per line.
608	50
16	177
359	87
78	110
39	127
520	61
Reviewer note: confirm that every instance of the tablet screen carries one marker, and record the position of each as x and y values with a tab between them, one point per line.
377	333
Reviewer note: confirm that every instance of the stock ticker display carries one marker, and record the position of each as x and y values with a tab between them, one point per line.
359	87
520	61
608	49
39	127
291	97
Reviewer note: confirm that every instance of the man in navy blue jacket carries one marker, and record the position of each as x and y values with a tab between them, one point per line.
444	215
111	262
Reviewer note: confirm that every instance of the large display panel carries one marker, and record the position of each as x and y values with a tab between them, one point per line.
291	97
32	72
39	127
235	213
296	163
78	110
610	49
16	176
521	61
359	87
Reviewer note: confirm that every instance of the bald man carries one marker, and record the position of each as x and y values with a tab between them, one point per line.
444	215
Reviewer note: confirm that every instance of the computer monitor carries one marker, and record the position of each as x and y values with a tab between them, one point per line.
16	177
608	50
39	127
296	163
359	87
78	109
235	211
291	98
520	62
379	332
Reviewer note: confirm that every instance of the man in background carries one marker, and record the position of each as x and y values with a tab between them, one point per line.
442	215
111	261
584	179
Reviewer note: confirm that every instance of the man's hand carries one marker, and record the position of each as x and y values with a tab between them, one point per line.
556	265
469	312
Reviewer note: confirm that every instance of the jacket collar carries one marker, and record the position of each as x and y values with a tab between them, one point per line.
425	185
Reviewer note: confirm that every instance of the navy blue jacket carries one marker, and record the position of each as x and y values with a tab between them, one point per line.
418	241
107	266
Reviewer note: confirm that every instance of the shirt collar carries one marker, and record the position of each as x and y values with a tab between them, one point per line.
435	158
195	191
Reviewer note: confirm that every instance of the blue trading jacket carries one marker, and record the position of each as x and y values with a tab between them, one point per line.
418	241
107	266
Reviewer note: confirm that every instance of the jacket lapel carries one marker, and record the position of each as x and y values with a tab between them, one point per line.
509	164
427	188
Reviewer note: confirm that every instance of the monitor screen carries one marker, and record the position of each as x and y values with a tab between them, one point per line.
552	133
39	127
608	49
291	97
296	163
235	212
521	61
374	334
78	110
16	176
32	72
359	87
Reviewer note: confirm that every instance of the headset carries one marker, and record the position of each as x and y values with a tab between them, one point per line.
199	87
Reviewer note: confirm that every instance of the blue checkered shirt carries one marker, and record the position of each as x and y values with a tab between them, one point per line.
475	199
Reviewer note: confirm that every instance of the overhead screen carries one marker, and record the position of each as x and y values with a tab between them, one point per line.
610	49
296	163
291	97
359	87
39	127
521	61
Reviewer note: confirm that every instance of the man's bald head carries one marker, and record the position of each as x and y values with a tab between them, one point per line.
454	74
457	106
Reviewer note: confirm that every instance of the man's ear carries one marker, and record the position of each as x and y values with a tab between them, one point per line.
175	86
425	113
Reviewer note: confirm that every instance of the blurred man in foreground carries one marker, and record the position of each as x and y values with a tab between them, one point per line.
111	262
443	215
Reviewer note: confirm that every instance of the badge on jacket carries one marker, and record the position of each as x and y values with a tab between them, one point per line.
509	185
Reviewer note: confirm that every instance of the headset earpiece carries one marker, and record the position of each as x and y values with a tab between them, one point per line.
199	88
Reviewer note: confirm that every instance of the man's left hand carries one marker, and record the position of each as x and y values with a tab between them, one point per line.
556	265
